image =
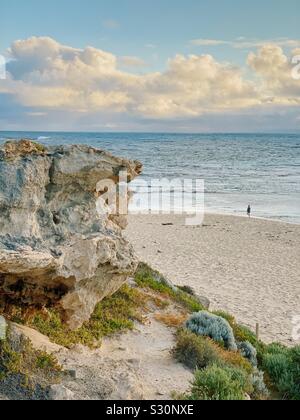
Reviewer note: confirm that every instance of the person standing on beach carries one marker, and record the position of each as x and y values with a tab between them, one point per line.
249	211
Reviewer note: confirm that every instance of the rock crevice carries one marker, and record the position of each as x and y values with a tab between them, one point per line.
56	248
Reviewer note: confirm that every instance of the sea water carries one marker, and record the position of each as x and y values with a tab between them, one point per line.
238	169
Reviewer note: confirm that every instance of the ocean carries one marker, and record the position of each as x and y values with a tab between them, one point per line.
238	169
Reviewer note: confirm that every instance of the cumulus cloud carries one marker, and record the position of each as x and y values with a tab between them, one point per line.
193	85
45	75
275	71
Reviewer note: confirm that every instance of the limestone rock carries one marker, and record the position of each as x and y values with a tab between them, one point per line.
60	393
61	243
38	340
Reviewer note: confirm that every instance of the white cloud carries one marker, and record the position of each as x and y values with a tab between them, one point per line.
281	42
243	43
275	71
193	85
208	42
45	75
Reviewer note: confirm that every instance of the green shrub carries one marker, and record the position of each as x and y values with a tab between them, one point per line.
283	367
277	348
295	355
220	383
213	326
277	366
194	351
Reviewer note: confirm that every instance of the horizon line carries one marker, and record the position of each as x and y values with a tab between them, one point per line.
156	132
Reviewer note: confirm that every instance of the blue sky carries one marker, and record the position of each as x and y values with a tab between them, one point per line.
127	27
146	35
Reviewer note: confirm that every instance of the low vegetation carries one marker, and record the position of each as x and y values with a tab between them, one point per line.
283	368
220	383
207	344
197	352
229	361
204	355
277	366
114	314
148	278
26	373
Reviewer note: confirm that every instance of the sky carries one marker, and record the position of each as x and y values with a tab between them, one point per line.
168	65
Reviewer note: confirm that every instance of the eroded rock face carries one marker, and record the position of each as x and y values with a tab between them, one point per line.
56	248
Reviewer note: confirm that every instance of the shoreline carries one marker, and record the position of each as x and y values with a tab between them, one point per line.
214	213
246	267
266	219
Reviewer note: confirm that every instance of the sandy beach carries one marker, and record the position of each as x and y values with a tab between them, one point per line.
249	268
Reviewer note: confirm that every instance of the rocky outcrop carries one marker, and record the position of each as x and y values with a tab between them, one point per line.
61	241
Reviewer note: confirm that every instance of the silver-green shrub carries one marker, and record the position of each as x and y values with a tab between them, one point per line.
249	352
213	326
260	389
